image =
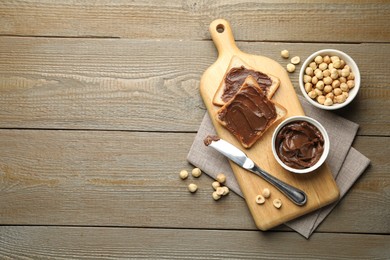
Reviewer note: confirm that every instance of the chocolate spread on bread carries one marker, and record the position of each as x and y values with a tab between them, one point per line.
236	77
299	144
248	114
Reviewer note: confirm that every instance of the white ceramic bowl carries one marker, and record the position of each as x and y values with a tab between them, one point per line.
319	127
348	60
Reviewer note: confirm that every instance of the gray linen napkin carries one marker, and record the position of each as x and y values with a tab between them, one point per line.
346	163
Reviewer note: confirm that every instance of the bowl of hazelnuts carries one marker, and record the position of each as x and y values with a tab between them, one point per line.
329	79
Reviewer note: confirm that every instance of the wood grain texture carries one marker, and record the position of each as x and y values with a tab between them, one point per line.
103	243
147	85
118	179
310	21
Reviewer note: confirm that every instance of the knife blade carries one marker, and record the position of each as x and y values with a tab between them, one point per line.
240	158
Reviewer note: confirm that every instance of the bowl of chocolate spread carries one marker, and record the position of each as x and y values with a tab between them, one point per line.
300	144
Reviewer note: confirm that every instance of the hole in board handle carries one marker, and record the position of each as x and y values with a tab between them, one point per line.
220	28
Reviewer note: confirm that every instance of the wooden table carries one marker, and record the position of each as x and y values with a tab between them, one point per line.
99	105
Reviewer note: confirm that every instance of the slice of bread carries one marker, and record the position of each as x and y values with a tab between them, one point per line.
249	114
237	63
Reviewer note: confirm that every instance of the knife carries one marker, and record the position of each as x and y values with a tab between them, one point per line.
240	158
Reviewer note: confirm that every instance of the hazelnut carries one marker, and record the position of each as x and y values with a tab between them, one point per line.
308	87
277	203
351	84
323	66
337	91
326	59
313	65
328	80
314	80
336	83
326	73
309	71
285	54
196	172
306	78
328	102
225	190
266	193
290	67
216	196
312	94
295	60
321	99
344	72
328	88
320	85
344	87
183	174
260	199
192	187
219	191
318	59
215	185
221	178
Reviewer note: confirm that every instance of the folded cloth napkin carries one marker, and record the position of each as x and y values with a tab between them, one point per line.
345	162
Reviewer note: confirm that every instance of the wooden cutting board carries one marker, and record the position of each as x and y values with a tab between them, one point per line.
319	186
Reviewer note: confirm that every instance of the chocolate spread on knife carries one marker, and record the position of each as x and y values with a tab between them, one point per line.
248	113
236	77
207	141
299	144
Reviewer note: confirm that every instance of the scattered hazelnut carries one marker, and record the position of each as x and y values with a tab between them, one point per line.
192	187
225	190
295	60
285	54
290	67
183	174
219	191
266	193
196	172
216	196
215	185
277	203
221	178
260	199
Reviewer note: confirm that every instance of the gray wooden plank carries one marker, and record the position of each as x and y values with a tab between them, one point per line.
118	84
140	243
132	179
310	21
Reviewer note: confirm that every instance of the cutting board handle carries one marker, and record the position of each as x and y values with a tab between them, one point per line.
222	36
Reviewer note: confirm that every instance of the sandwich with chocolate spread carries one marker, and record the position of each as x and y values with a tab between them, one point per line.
249	113
235	76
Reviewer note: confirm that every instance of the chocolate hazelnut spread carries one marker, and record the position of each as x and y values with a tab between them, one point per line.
236	77
207	141
248	114
299	144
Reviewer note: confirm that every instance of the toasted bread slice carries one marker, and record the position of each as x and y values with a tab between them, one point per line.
235	76
249	113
